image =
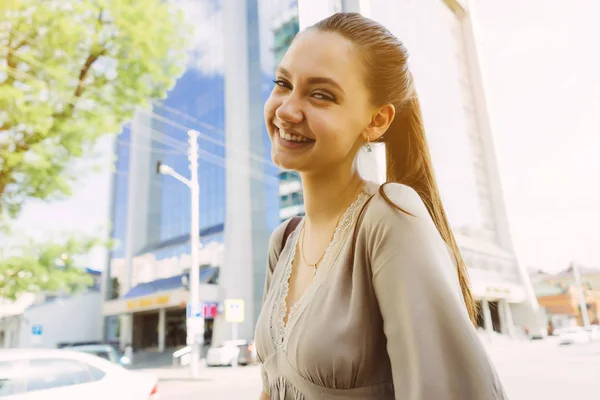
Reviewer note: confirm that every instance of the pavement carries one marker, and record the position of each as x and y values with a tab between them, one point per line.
529	370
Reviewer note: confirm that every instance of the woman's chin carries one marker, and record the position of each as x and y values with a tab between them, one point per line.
287	161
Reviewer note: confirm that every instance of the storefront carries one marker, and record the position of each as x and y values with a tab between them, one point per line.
158	321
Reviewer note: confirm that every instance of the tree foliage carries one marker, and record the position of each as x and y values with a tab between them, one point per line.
46	267
71	71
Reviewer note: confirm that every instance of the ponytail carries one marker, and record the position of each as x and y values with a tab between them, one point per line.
408	162
387	76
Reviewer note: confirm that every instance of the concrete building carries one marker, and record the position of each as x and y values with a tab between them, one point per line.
558	294
48	320
562	305
590	277
441	38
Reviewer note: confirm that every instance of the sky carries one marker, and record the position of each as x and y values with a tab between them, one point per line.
543	89
544	96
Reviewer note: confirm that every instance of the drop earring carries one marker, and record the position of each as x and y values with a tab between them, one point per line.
368	145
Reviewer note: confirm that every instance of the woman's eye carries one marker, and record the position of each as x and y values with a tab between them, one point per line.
282	83
323	96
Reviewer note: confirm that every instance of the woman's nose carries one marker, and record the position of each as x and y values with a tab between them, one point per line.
290	111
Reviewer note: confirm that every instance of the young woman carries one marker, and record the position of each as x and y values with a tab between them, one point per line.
368	297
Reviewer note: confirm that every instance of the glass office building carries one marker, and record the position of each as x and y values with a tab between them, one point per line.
146	277
285	27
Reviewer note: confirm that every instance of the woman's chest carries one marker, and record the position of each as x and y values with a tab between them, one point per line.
334	335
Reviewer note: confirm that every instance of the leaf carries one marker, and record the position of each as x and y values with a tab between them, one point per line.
76	70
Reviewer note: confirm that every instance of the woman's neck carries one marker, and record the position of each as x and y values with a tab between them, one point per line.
327	195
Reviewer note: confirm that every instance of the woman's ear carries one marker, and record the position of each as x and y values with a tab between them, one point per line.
380	122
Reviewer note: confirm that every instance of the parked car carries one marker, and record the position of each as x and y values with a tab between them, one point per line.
594	332
103	351
40	374
574	335
230	353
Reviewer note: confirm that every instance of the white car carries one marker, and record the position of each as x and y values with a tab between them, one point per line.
231	353
40	374
594	332
574	335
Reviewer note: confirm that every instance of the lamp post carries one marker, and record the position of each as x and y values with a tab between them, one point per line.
585	319
195	318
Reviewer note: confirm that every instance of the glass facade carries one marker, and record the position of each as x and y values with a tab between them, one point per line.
285	29
120	184
197	101
284	34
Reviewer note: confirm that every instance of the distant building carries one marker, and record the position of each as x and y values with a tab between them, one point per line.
559	296
53	320
590	277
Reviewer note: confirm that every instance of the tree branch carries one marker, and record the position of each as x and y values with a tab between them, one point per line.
84	72
11	58
91	59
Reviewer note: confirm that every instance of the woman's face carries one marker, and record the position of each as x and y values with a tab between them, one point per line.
319	107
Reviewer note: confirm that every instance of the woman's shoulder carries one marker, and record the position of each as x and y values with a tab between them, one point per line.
393	200
276	239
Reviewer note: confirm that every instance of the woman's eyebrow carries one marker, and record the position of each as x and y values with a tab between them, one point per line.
313	80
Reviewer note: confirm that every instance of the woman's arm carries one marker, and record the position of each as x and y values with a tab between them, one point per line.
434	349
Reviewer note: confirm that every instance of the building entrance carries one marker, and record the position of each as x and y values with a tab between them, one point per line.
176	329
495	311
145	331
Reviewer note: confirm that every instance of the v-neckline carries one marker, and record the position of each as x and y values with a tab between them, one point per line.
285	320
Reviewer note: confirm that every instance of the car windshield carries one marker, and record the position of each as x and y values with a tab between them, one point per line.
101	354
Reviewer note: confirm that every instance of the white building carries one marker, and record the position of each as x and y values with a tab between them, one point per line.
441	38
51	321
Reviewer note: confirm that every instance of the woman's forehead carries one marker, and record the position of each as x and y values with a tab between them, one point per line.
323	54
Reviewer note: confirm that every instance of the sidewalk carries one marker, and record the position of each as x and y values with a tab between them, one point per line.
178	373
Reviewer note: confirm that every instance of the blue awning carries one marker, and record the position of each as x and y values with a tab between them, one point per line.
170	283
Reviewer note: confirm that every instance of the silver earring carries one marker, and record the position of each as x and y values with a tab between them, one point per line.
368	146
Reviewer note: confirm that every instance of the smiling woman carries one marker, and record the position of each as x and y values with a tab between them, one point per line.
366	297
309	103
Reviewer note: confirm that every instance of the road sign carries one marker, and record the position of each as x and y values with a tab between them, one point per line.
208	311
234	310
37	330
195	312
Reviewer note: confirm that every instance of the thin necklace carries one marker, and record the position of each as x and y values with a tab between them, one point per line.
315	265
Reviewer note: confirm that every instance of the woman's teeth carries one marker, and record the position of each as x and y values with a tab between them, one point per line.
293	138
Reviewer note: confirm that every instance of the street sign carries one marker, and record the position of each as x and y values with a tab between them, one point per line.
37	330
234	310
195	312
207	310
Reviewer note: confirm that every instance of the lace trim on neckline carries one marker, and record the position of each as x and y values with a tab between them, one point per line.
283	329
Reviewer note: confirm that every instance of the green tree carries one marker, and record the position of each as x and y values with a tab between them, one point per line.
70	72
46	267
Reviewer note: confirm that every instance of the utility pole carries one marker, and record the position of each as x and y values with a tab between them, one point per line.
582	304
195	317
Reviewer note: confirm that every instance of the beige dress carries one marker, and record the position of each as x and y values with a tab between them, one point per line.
386	321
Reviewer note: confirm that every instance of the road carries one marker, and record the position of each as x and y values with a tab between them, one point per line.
544	370
529	371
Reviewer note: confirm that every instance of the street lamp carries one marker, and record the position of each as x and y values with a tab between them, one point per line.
195	318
